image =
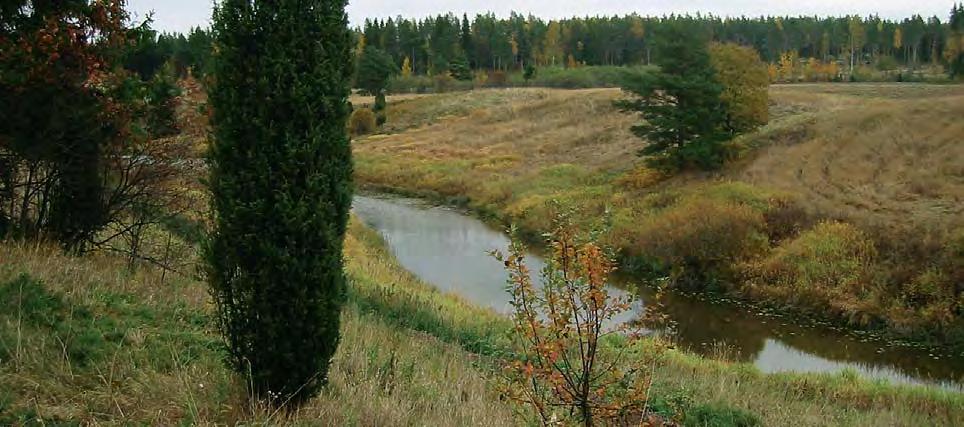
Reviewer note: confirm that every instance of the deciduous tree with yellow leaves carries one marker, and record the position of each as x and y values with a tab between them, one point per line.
745	83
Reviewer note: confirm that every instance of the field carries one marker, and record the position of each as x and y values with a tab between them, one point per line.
88	341
91	341
848	204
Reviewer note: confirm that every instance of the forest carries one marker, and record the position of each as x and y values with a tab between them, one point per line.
449	43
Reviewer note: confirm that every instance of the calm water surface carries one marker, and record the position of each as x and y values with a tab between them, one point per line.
449	249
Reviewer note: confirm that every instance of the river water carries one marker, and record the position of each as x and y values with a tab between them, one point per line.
450	250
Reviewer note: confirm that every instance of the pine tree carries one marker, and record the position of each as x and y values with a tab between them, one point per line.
374	69
681	105
281	188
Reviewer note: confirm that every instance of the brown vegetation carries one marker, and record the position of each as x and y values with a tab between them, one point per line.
883	158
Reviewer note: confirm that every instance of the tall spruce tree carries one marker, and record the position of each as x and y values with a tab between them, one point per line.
281	184
681	104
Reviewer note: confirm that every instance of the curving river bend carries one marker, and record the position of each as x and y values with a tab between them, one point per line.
449	249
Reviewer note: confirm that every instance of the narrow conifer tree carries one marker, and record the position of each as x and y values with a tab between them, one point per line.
281	189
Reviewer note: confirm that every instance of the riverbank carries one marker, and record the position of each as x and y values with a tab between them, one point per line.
777	399
447	248
800	222
85	340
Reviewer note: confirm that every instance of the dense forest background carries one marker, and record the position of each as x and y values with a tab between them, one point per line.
449	43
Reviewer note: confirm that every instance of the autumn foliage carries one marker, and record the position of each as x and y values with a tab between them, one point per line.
80	162
745	85
574	363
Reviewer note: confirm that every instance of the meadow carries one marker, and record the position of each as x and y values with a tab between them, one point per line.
846	205
90	341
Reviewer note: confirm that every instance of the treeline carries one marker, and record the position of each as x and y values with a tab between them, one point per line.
451	44
448	42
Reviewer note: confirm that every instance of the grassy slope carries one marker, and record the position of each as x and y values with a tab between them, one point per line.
886	158
876	153
85	341
879	154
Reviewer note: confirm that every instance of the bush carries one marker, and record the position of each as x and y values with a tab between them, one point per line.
562	326
699	242
443	82
410	84
640	178
719	416
584	77
496	78
832	260
362	122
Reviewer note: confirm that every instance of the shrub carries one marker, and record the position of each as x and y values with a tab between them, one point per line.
410	84
700	241
831	260
362	122
497	78
786	217
886	63
570	363
719	416
442	82
640	177
281	171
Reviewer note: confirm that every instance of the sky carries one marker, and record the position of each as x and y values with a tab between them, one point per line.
181	15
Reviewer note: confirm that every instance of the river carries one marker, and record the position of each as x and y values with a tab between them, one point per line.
450	250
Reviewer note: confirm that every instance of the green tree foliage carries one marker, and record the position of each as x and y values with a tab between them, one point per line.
380	108
681	105
375	67
490	43
954	51
529	73
745	86
281	189
74	144
459	69
162	94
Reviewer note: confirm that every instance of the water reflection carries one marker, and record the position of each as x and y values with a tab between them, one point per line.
450	250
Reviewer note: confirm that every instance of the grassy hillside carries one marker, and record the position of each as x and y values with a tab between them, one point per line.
86	341
883	161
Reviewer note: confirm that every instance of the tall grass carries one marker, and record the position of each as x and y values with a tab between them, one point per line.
87	341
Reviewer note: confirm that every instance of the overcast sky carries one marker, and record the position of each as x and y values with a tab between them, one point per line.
180	15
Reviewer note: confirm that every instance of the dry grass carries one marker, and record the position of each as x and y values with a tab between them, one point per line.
881	161
402	361
86	341
884	157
